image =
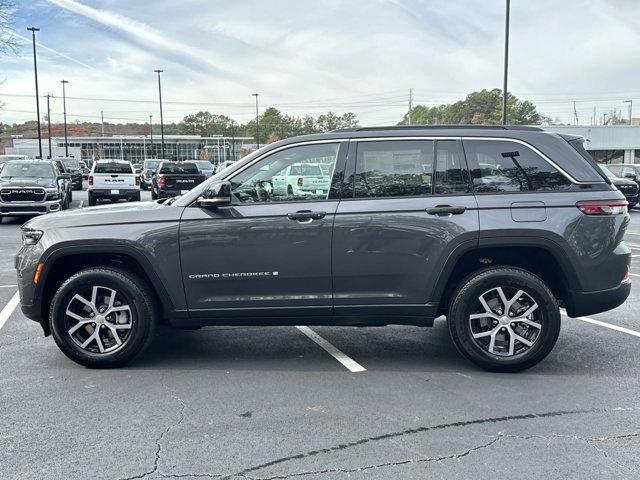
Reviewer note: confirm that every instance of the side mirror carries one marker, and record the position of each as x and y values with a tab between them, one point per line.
218	194
631	176
65	176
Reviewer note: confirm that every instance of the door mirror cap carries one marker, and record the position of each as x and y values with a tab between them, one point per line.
632	176
216	195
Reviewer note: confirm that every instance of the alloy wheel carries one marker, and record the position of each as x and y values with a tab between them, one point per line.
506	321
99	320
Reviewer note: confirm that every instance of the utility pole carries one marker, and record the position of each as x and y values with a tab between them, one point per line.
161	118
233	140
33	31
151	130
102	121
506	63
630	102
64	111
595	118
49	124
410	103
575	113
257	121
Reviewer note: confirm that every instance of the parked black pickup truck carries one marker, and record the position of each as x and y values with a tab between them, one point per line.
175	178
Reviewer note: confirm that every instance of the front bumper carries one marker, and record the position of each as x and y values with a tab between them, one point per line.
580	303
17	209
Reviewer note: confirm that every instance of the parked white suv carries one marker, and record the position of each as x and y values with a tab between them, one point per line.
113	180
301	179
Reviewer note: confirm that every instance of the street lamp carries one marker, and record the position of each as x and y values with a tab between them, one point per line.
151	132
506	62
630	102
161	118
64	111
257	121
49	124
33	31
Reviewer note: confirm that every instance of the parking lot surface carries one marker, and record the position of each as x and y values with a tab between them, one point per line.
327	402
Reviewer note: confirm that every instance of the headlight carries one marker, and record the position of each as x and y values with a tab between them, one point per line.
31	237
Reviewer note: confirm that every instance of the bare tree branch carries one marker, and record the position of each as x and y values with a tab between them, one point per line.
8	42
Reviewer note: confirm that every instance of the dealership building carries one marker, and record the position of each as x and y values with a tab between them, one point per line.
136	148
606	144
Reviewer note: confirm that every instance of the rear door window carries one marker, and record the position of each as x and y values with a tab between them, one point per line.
179	168
505	166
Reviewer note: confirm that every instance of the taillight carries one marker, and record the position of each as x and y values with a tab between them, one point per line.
299	182
162	181
90	179
602	207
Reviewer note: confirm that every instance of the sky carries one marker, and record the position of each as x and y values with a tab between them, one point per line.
312	56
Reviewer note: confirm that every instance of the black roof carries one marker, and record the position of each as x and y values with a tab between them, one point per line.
442	127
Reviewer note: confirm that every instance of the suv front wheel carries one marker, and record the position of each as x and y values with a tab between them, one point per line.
504	319
102	317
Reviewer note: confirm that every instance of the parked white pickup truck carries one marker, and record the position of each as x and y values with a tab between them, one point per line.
301	179
113	180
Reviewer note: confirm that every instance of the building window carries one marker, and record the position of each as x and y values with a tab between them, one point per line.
607	156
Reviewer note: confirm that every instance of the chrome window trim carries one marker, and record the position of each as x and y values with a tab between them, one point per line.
390	139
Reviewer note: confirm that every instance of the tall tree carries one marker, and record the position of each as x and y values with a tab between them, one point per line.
483	108
7	40
205	124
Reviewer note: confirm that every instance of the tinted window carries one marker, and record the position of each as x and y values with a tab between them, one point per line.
394	168
71	163
151	164
30	170
268	181
503	166
179	168
115	167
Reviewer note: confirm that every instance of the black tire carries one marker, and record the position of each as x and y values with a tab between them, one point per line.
289	190
92	200
467	298
631	205
132	290
70	197
154	195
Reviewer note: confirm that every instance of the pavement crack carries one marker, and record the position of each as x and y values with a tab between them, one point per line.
412	431
441	458
158	443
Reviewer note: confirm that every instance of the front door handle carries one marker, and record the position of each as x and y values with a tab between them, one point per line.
306	215
445	210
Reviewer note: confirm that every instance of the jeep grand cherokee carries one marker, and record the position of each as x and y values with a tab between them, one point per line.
494	227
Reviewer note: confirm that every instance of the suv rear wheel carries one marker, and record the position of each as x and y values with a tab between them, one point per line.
102	317
504	319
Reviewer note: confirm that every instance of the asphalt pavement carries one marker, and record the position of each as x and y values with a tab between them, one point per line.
322	403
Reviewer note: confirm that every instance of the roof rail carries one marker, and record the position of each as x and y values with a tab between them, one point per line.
442	127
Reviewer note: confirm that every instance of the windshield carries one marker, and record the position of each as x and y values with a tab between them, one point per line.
114	167
204	165
606	171
28	170
71	163
151	164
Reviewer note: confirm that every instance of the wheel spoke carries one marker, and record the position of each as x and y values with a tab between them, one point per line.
492	342
89	304
503	299
75	316
512	342
112	298
124	326
94	295
89	340
484	334
122	308
530	310
485	305
475	316
77	326
529	322
99	341
522	339
116	337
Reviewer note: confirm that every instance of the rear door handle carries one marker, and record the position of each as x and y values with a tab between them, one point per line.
306	215
445	210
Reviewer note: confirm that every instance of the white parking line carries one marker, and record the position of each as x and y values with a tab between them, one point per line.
8	309
604	324
348	362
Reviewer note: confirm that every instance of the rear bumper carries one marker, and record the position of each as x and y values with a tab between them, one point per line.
580	303
122	193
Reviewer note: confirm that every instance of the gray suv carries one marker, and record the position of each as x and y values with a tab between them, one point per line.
495	227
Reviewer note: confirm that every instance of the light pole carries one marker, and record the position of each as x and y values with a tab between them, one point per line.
64	112
506	62
151	131
630	102
161	118
49	124
257	121
33	31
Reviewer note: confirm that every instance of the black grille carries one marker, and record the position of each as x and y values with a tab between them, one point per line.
22	194
25	208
